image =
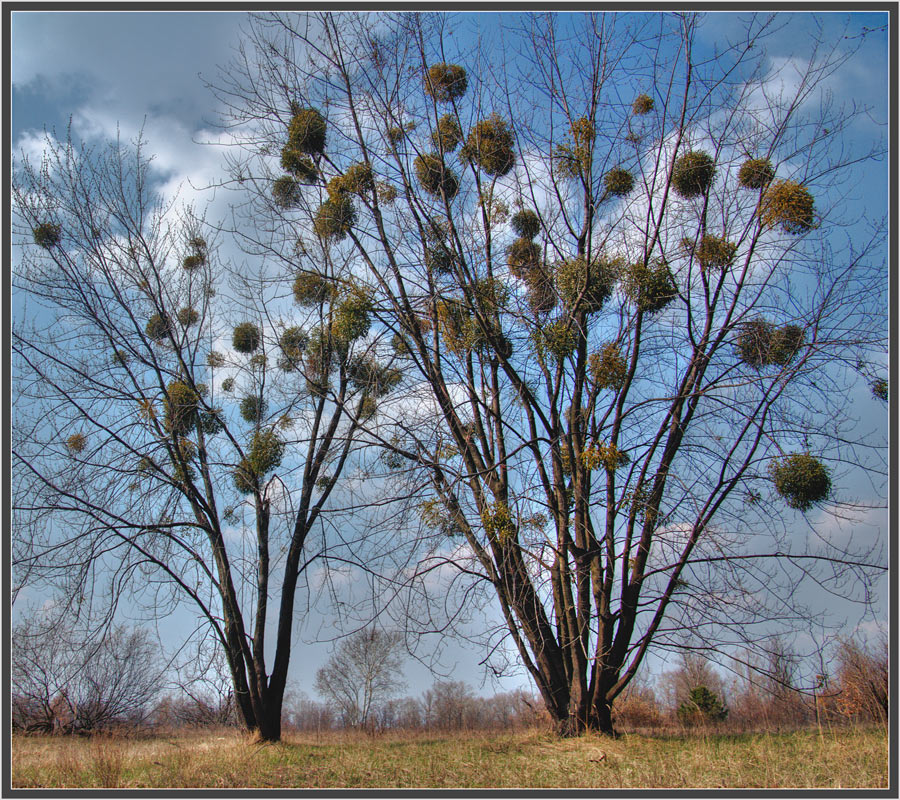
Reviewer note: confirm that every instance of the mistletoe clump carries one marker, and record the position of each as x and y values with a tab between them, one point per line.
352	317
714	252
159	328
526	223
447	136
445	82
787	204
181	405
643	104
458	329
650	286
299	165
801	479
293	342
756	173
286	191
522	256
188	316
558	338
435	177
761	344
375	379
47	235
541	291
490	146
586	285
306	131
439	259
245	480
880	389
312	289
608	367
76	443
246	337
618	182
498	522
357	179
266	452
334	218
252	408
693	173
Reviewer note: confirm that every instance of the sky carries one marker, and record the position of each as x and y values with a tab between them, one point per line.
112	73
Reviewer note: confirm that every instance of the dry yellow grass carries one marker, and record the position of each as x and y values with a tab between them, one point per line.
846	758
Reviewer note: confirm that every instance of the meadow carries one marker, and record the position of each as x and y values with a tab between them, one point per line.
846	757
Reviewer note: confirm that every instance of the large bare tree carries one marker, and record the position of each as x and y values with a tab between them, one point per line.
606	253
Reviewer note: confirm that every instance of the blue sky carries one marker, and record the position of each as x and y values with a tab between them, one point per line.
127	71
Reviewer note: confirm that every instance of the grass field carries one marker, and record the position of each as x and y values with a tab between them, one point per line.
845	758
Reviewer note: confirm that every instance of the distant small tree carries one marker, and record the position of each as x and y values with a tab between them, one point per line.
863	679
361	675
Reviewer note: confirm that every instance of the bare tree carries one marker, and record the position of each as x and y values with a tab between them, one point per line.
362	674
606	254
180	422
67	680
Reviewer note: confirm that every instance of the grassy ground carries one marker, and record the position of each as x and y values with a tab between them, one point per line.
839	759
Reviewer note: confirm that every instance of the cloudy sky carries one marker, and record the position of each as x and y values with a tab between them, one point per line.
121	73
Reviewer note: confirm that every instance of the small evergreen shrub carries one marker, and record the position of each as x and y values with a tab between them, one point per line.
447	136
789	205
252	408
650	286
434	176
334	218
522	256
286	191
246	337
756	173
526	223
643	104
801	479
618	182
702	705
446	82
608	367
47	235
693	173
306	131
490	146
586	285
